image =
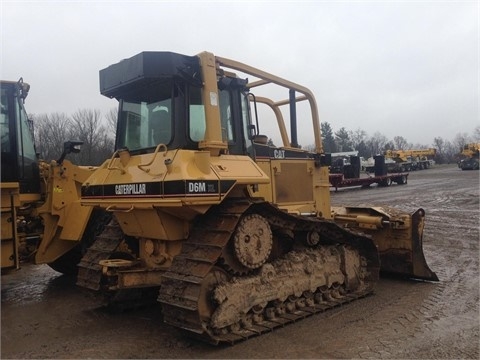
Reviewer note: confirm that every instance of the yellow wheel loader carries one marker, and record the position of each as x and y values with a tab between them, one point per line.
238	235
42	219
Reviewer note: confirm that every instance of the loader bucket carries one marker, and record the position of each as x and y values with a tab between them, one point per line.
397	235
409	261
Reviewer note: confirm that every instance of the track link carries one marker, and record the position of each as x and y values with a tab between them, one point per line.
182	283
182	293
265	325
90	270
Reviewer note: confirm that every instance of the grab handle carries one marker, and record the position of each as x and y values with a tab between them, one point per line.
157	149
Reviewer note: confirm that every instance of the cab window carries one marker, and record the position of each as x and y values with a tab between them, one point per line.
226	116
196	121
145	124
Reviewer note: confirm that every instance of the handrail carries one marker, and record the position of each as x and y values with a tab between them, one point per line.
110	167
157	149
114	208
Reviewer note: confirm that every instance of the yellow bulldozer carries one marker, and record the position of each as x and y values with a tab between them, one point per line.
236	236
37	197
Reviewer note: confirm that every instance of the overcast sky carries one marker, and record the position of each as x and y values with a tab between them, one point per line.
408	68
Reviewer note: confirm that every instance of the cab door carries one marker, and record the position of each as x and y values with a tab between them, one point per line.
19	158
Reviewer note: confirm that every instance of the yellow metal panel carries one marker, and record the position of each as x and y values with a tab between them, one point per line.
8	253
322	192
136	278
76	221
9	239
7	228
153	224
8	189
56	249
241	168
265	190
293	181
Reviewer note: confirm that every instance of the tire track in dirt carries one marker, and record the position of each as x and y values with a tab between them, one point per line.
431	328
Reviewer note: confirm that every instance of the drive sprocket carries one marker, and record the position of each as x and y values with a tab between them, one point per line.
250	245
253	241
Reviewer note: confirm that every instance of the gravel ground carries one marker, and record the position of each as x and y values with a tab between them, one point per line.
44	315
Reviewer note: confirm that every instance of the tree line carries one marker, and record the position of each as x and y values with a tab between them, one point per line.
367	146
97	132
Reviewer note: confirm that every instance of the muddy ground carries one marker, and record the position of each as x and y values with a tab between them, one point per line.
44	315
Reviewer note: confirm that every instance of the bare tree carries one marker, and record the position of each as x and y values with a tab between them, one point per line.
357	137
476	134
88	128
400	143
389	145
111	117
451	152
460	140
376	143
51	131
439	144
309	147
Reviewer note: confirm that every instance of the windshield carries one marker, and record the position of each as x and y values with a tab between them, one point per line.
145	124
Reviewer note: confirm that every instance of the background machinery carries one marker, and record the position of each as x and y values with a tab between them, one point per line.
469	156
409	160
347	170
38	197
238	235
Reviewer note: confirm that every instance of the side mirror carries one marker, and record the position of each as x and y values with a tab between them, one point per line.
70	147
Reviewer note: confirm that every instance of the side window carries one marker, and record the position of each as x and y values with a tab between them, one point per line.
25	136
245	113
4	126
197	124
9	160
226	117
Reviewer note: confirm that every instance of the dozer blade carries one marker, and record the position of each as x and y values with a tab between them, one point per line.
397	235
409	261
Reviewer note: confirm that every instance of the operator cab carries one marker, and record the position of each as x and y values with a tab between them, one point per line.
19	159
161	102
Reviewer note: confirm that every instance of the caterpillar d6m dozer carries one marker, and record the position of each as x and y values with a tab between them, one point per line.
38	197
238	235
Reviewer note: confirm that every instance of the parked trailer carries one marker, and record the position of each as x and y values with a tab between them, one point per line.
349	175
339	180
